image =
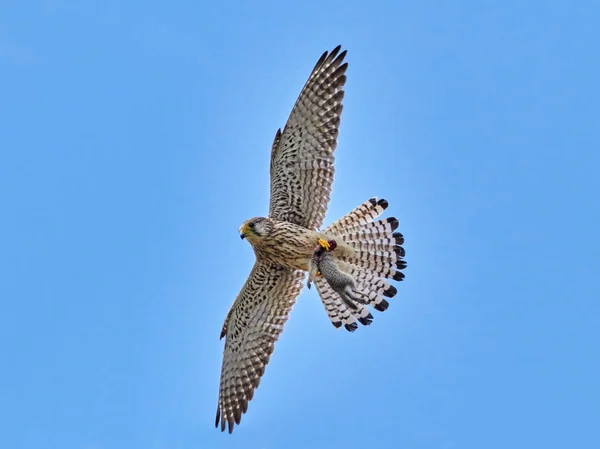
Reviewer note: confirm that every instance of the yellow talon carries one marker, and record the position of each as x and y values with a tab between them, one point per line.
319	274
324	244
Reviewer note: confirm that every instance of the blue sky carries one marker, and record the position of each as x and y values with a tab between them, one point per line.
134	140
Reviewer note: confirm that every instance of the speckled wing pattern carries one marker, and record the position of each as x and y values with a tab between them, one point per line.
302	161
251	329
301	177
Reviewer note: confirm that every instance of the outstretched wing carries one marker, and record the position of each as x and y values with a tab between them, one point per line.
251	329
302	161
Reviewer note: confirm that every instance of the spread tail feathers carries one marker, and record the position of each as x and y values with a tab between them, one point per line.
350	282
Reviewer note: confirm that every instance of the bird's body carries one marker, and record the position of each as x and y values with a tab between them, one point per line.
286	244
367	250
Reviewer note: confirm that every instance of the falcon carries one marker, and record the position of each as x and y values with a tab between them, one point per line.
351	262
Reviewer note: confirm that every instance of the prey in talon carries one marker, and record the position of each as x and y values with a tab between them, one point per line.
341	282
313	270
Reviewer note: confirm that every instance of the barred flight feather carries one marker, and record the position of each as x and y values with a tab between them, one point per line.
302	160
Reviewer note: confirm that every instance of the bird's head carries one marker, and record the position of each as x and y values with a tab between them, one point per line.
255	229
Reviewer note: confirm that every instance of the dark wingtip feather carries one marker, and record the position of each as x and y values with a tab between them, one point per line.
393	223
390	292
383	204
399	251
260	370
373	201
341	56
320	61
335	51
339	73
277	136
339	96
382	305
337	324
401	264
332	55
218	416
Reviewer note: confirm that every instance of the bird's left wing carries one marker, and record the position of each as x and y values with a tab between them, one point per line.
251	329
302	161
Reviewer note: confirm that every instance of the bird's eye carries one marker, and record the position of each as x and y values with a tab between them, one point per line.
251	225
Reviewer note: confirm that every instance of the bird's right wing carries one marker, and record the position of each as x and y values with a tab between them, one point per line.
302	161
251	329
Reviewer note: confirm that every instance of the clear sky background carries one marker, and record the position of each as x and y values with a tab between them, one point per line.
135	139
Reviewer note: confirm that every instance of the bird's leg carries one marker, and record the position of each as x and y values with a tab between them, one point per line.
317	274
313	271
313	267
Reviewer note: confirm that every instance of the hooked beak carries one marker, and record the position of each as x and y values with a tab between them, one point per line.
244	232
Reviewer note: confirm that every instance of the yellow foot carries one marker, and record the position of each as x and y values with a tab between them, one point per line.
324	244
319	274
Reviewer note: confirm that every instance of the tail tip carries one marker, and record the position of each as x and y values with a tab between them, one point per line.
399	251
351	327
382	305
398	237
365	321
393	221
401	264
398	276
383	204
390	292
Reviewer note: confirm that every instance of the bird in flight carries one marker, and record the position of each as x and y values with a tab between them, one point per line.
351	262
